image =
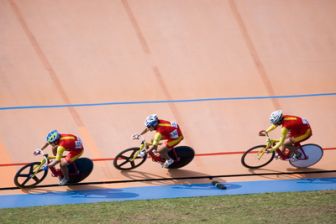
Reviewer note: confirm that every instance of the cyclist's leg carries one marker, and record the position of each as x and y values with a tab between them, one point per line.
170	144
296	140
63	166
163	151
69	158
288	148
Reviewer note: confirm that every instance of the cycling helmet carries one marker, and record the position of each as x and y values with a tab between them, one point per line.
276	117
151	121
53	136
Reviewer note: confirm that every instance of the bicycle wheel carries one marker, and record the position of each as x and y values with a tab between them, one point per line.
250	157
25	177
313	154
124	160
184	155
80	170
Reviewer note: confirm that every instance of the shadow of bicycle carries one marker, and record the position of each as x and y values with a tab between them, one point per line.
87	192
175	176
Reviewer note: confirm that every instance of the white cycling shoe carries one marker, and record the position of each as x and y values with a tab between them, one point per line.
142	154
64	181
167	163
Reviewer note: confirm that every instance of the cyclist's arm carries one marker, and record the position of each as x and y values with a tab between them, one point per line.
144	131
59	154
156	140
44	146
284	132
271	128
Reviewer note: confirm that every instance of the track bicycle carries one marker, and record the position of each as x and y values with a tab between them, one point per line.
261	155
34	173
130	158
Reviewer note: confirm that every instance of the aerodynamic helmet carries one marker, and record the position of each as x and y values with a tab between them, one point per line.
53	136
276	117
151	121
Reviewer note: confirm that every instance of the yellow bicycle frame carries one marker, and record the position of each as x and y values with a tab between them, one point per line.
37	168
136	154
269	144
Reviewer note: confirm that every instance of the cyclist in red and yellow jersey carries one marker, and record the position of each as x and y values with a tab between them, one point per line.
60	143
164	130
294	130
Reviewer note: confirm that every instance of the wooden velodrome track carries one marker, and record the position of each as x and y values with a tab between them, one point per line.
218	68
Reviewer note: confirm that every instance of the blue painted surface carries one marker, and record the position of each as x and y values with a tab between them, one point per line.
167	191
167	101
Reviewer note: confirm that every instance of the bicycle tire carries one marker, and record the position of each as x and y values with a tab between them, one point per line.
314	154
245	159
185	155
122	160
24	184
84	169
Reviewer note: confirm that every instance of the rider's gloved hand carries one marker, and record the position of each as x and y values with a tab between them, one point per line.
37	152
135	136
262	133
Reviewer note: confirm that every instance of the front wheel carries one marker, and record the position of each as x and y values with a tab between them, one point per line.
257	157
125	159
30	175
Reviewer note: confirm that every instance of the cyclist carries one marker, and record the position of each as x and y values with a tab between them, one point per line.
294	130
164	130
60	143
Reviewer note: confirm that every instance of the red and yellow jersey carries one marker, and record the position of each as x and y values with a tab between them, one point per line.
296	126
166	130
70	142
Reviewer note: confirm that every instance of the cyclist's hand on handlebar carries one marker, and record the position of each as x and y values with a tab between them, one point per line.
262	133
37	152
136	136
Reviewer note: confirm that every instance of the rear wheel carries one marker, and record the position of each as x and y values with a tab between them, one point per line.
79	170
28	176
182	156
124	160
312	154
250	158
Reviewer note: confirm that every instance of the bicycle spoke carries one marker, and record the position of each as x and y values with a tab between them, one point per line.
24	175
26	181
31	169
124	157
127	161
36	178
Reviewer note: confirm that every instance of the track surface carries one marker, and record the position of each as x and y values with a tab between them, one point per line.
218	68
